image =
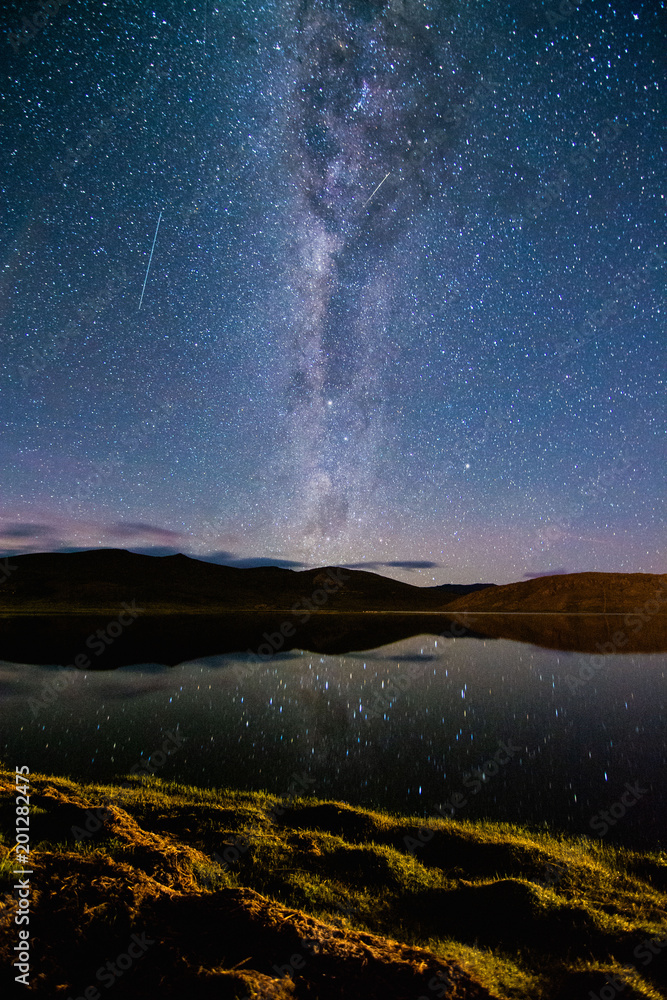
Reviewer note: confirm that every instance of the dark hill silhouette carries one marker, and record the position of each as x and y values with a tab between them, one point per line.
52	604
572	593
102	578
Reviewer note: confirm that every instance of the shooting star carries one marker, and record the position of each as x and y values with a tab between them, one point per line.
376	189
149	262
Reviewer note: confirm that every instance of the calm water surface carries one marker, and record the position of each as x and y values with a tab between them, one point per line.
402	727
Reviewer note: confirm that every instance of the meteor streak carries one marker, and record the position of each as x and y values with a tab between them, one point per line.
151	257
376	189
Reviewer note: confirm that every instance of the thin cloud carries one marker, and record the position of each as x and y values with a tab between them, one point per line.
396	563
549	572
416	658
155	550
253	563
18	530
135	529
412	564
223	558
364	565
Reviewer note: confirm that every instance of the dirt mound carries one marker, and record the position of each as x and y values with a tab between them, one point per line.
316	901
143	916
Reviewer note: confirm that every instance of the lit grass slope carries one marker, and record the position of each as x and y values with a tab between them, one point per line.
330	894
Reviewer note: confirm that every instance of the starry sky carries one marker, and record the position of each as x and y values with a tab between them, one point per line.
405	302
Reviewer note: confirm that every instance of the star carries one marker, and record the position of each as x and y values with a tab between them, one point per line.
373	250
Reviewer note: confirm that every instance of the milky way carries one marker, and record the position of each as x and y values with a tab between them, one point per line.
368	91
405	302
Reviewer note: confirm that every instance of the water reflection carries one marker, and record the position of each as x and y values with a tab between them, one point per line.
479	728
101	643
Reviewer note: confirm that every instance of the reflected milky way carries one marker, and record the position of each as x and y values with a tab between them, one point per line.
398	728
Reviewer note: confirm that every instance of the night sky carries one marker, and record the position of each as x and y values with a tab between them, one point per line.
405	306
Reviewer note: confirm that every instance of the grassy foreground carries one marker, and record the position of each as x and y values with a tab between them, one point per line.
339	897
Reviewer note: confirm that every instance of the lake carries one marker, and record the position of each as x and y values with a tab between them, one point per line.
425	725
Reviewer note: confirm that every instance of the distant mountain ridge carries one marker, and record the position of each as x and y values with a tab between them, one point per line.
98	578
53	607
72	582
572	593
